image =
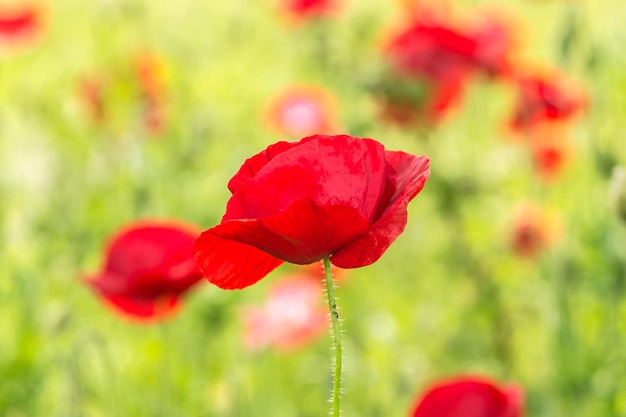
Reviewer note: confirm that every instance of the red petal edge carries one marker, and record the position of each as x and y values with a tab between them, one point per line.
408	174
230	264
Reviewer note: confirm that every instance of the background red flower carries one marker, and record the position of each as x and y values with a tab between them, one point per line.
148	267
545	97
469	396
20	22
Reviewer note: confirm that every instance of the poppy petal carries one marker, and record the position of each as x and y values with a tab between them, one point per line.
238	253
332	170
407	176
142	308
254	164
230	264
463	397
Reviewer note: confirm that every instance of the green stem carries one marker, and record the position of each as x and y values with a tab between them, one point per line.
334	315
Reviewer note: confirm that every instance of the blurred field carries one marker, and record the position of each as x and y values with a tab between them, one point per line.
449	297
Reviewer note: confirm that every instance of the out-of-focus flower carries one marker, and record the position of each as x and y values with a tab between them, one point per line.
302	10
533	231
302	111
20	23
546	97
149	92
438	54
151	79
91	93
551	151
617	193
469	396
293	315
298	202
496	35
149	266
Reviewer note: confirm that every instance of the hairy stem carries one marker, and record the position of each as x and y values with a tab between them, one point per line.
334	315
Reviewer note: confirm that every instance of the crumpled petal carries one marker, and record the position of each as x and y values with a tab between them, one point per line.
406	178
332	170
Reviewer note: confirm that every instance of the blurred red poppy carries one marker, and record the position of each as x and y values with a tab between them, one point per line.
301	111
546	97
292	316
149	266
551	151
300	10
469	396
20	22
533	231
432	57
298	202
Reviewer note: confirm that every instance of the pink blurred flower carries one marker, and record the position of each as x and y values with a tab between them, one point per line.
469	396
149	266
302	110
292	315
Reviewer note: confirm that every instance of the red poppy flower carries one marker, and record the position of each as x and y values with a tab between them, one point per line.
149	265
495	35
299	10
292	316
551	152
301	111
545	98
20	22
469	396
533	231
298	202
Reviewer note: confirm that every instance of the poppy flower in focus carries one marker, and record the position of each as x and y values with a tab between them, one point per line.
19	23
469	396
533	231
545	98
298	202
302	111
301	10
292	316
148	267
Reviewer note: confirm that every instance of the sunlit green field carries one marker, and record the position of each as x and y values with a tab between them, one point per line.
449	297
